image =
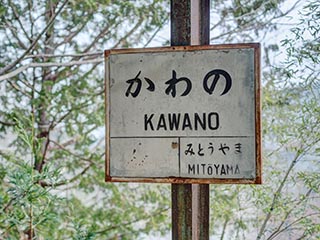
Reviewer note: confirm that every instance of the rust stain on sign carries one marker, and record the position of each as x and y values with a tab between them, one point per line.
184	114
174	145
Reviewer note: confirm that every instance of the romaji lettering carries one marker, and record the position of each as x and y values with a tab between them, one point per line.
181	121
213	169
218	75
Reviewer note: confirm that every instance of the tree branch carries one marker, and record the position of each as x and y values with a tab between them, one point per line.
15	35
224	228
39	165
16	87
45	184
16	15
279	230
135	27
252	13
96	39
65	144
300	152
69	37
131	222
156	32
48	64
297	221
7	124
276	195
54	123
91	54
12	65
71	153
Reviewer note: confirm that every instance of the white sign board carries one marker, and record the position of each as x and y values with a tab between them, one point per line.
184	114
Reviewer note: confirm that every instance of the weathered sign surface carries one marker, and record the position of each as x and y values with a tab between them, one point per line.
184	114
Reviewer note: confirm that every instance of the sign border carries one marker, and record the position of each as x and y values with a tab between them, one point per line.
181	180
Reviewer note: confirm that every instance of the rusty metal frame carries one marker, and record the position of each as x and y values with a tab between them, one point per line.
258	136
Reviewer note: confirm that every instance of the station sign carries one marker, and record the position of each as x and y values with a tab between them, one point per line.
186	114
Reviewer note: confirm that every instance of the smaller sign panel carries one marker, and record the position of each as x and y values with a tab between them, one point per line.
183	114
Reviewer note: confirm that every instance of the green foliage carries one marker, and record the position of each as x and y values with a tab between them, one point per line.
244	20
52	117
25	203
287	204
52	165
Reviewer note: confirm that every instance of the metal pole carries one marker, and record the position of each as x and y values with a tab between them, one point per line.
190	24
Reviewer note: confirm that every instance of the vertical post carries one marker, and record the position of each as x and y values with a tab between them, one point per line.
190	25
181	211
200	211
181	194
200	35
